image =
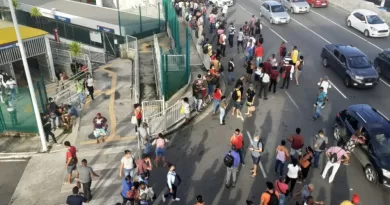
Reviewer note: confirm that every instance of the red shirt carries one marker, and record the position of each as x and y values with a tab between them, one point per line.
274	74
217	94
70	153
287	68
281	50
267	67
237	141
281	187
259	51
297	142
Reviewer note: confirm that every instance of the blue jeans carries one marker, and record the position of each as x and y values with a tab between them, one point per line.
215	105
211	27
221	115
258	61
230	76
250	54
13	94
279	165
317	112
316	158
128	172
282	199
210	89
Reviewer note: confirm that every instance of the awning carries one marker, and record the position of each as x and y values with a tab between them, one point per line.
8	35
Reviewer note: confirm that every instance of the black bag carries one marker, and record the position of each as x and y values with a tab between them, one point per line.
333	157
235	95
322	146
273	200
284	51
228	160
187	18
206	49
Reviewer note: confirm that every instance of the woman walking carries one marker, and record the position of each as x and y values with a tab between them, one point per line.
305	162
222	110
281	157
138	115
292	174
126	187
160	143
217	98
89	85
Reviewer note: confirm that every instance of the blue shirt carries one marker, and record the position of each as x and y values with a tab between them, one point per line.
142	180
126	186
321	98
305	193
75	200
236	158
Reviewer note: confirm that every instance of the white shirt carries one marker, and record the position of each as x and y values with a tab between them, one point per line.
293	171
265	78
171	177
90	82
232	30
274	62
223	36
186	107
11	84
325	85
253	42
240	36
127	163
225	9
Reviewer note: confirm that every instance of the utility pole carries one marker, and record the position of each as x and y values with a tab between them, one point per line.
28	76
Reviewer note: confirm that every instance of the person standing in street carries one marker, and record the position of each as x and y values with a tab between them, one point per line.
236	97
138	115
172	177
335	156
126	187
212	20
307	190
259	52
324	83
354	201
233	157
298	69
292	173
296	141
321	98
144	165
256	149
282	51
305	162
232	31
250	99
273	79
84	174
225	10
282	188
127	166
216	97
286	71
270	196
160	143
240	40
71	160
231	71
76	198
252	24
89	85
222	43
264	86
294	55
237	140
320	143
222	110
281	156
47	128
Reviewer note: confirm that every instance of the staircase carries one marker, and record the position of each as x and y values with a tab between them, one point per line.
146	68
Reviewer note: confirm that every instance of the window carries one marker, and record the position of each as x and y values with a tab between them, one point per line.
374	19
359	62
266	6
357	15
343	59
381	144
277	9
336	53
343	114
352	121
298	0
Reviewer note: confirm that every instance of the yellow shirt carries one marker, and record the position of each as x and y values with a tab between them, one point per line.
294	56
238	95
346	202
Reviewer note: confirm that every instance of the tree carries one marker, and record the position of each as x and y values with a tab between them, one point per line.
75	49
36	13
16	3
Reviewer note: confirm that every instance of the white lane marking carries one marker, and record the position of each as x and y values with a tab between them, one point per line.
348	30
310	30
292	100
263	24
260	164
13	160
242	118
388	85
341	93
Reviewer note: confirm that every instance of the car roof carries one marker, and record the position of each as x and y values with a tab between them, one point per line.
365	12
272	3
349	50
374	121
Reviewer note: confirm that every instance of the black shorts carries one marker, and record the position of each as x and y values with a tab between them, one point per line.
240	43
256	160
249	71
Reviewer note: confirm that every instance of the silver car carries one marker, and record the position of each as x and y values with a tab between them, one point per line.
274	12
296	6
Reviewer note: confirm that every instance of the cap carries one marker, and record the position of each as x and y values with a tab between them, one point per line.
355	198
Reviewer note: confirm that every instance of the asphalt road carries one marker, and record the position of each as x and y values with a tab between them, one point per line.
11	172
198	149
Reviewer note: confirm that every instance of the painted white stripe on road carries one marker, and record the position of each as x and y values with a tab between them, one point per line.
260	164
13	160
341	93
310	30
264	24
384	82
292	100
379	48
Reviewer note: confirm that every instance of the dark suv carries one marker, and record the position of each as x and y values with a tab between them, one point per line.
374	154
382	63
351	64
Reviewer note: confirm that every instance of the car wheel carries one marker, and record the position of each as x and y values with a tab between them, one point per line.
325	62
370	174
349	23
292	10
366	33
338	132
347	81
271	21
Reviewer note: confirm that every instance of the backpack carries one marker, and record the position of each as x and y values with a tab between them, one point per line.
206	48
273	200
235	95
333	157
228	160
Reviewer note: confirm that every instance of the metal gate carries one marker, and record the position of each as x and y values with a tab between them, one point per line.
151	108
110	43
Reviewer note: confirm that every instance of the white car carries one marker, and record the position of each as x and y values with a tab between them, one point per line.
220	3
296	6
274	12
368	22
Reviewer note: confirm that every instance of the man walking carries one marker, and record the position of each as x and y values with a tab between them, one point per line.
264	86
84	174
320	102
232	31
335	156
231	71
71	160
232	161
76	198
172	187
127	165
273	79
236	97
319	146
296	141
238	141
256	149
286	74
240	40
298	69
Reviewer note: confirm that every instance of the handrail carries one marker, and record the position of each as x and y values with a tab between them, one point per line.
68	81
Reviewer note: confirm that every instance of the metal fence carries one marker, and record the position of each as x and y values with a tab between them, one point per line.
132	47
150	108
95	55
157	68
175	74
173	28
204	57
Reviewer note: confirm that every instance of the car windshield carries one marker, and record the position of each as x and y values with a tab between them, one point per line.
358	62
381	144
374	19
298	1
277	9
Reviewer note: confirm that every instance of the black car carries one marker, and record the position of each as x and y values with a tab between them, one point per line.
382	63
374	154
351	64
